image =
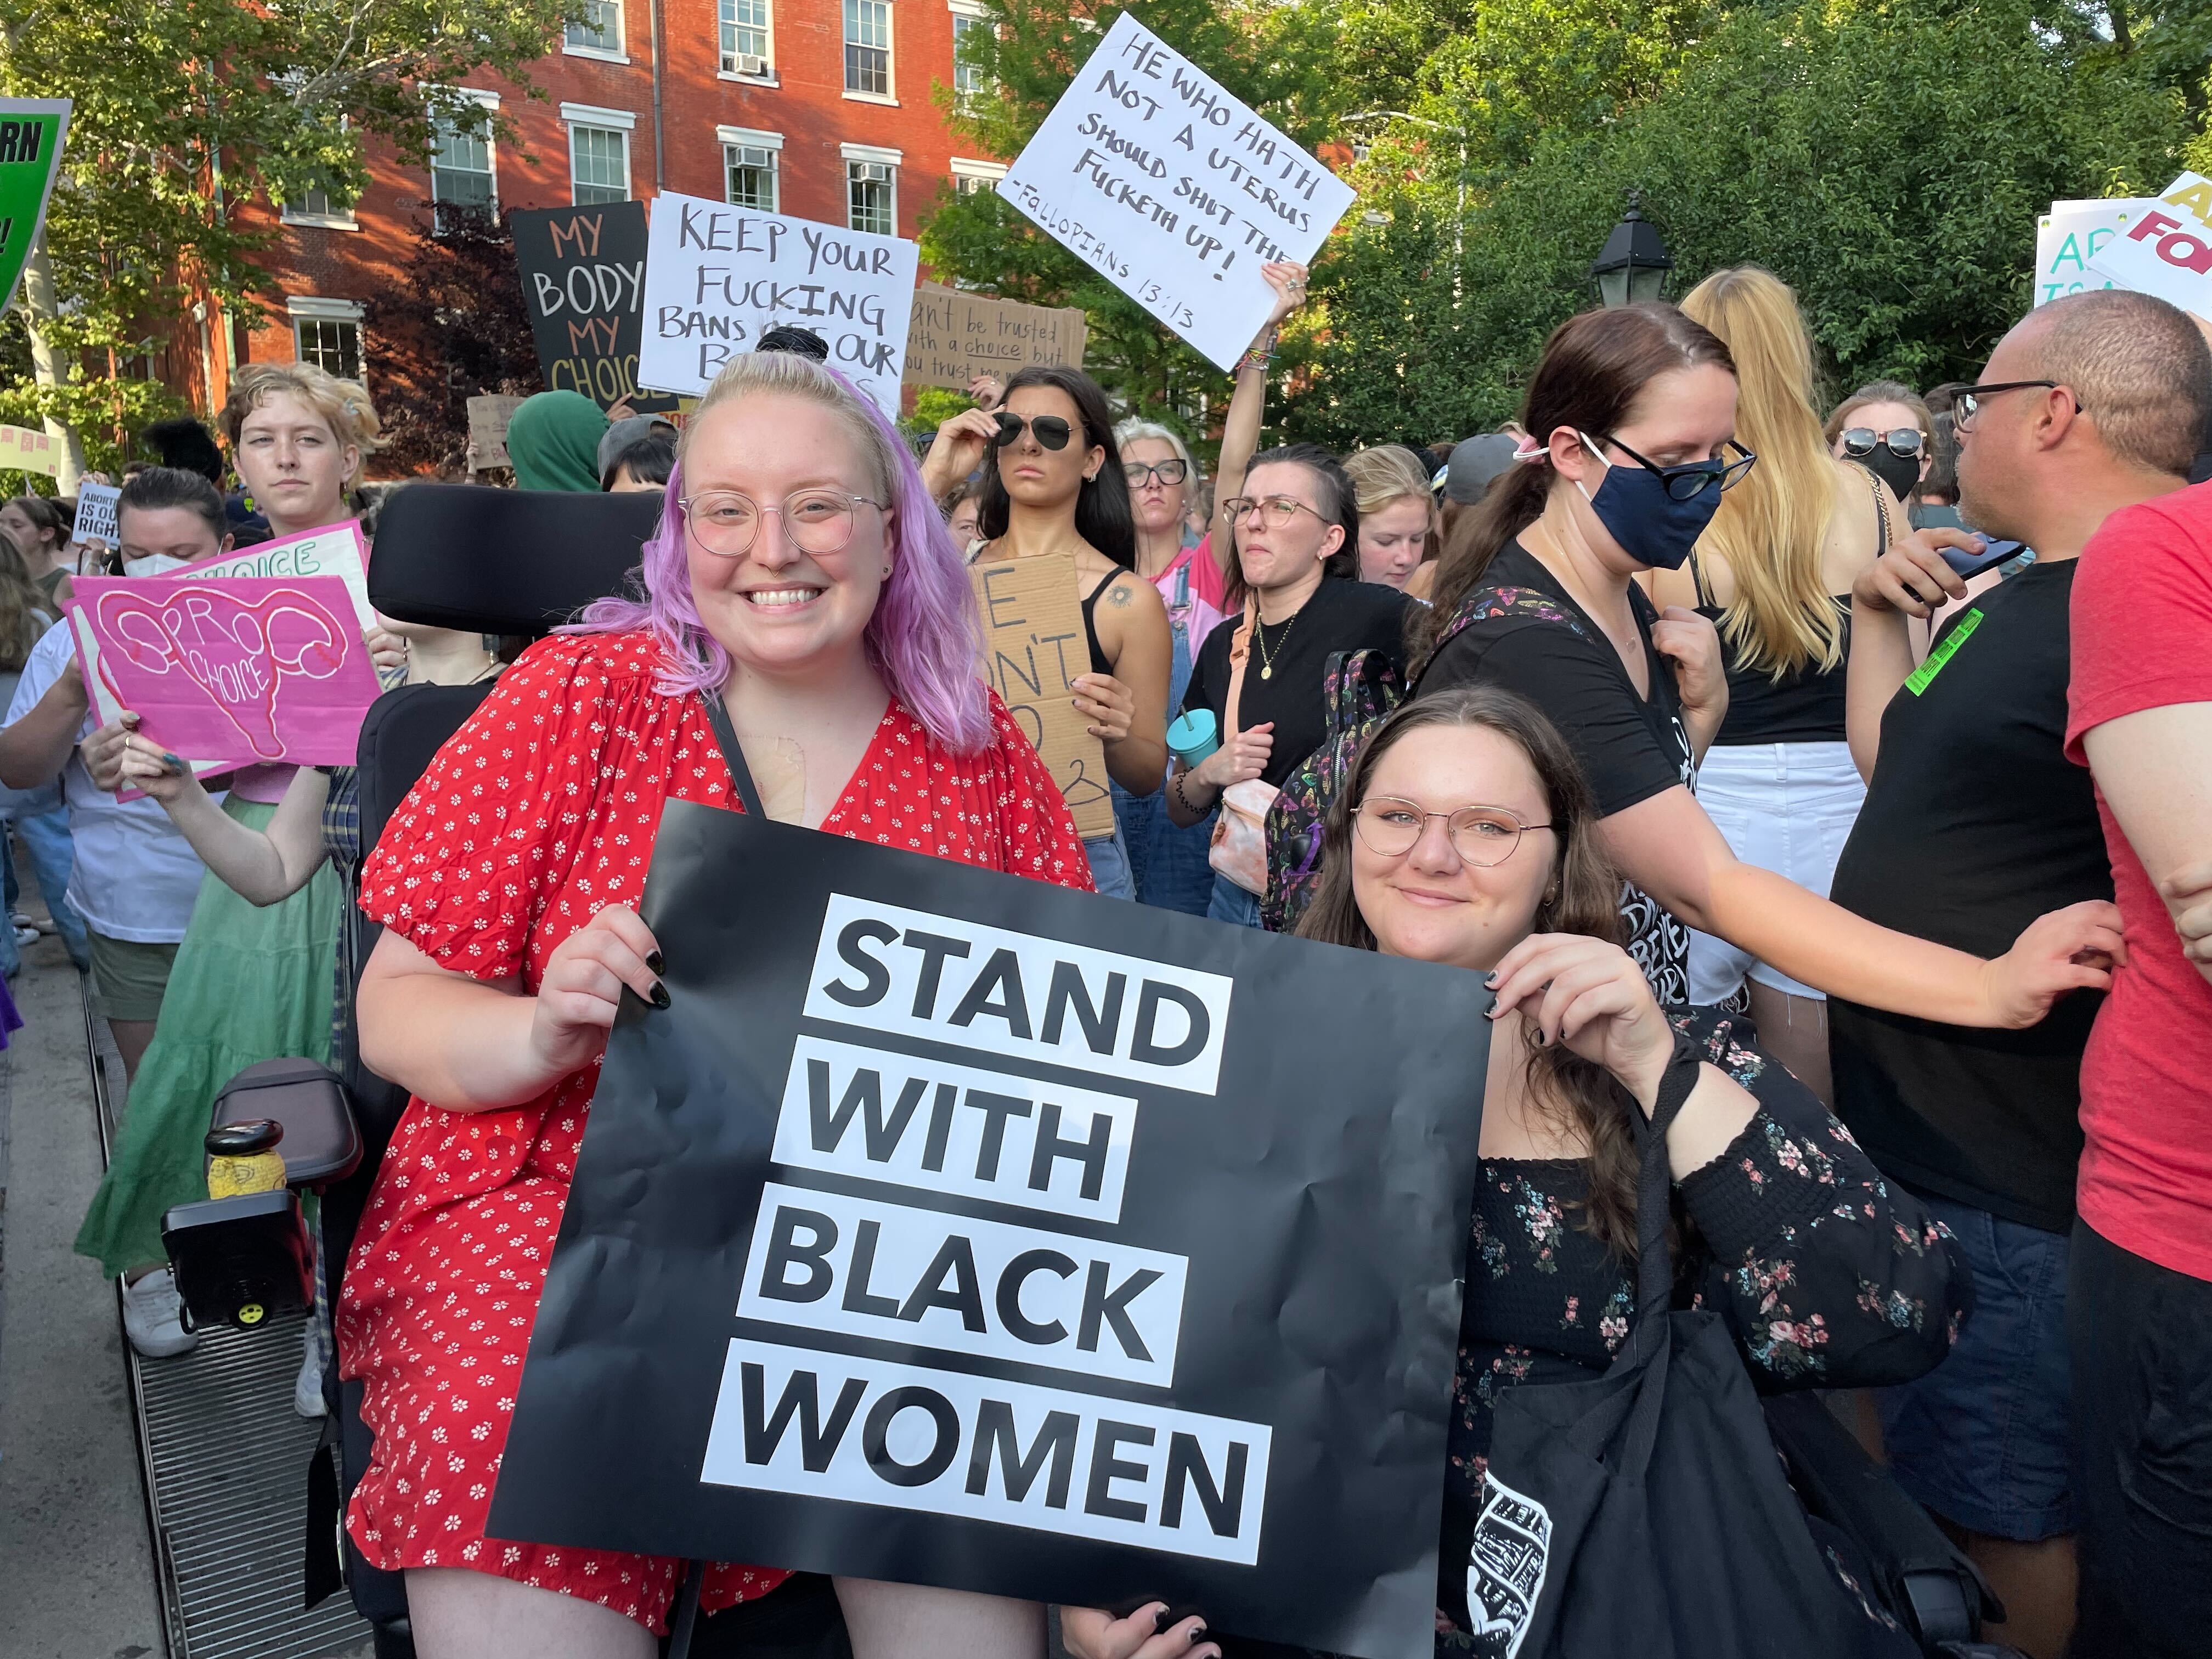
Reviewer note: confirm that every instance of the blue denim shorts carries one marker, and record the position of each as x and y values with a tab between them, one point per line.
1983	1439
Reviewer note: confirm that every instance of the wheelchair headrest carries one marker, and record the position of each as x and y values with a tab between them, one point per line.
503	561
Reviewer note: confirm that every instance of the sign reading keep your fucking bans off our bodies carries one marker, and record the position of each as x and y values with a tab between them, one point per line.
718	277
955	1229
1173	189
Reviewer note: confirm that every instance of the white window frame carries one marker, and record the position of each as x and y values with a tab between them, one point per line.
985	174
893	159
890	58
969	9
335	220
489	101
314	308
770	79
753	137
621	52
601	121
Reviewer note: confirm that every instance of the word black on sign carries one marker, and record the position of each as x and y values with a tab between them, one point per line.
583	280
954	1229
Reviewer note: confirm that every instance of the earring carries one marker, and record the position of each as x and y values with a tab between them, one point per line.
887	573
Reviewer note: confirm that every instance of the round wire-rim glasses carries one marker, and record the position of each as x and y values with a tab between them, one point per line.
1275	511
726	522
1391	826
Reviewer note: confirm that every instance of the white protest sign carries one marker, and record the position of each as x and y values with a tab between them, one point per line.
1173	189
95	514
2167	249
2072	234
717	277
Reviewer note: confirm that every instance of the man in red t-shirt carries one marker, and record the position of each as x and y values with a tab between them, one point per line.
2140	1294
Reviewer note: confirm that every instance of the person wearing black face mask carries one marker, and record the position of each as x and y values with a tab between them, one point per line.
1633	411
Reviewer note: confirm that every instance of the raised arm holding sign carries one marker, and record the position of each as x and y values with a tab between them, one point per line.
1173	189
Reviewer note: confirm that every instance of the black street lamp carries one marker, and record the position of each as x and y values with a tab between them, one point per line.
1635	263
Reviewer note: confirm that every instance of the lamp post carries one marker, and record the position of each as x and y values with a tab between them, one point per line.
1635	263
1458	221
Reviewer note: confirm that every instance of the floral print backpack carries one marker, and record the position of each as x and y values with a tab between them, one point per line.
1360	689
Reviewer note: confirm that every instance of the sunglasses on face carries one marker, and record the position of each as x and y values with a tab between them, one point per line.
1050	431
1859	441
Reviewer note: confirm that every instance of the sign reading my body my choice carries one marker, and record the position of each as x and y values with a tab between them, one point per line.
1174	190
955	1229
720	276
583	280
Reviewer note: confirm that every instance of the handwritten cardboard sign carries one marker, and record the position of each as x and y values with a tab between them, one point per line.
2071	236
489	416
583	280
22	449
954	336
241	669
1033	649
2167	249
720	276
1174	190
95	514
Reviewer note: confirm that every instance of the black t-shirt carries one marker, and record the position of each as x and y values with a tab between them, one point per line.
1341	616
1975	825
1630	748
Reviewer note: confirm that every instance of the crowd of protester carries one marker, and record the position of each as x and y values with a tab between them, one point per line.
1699	733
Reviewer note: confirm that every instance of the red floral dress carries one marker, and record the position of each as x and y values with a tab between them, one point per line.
539	812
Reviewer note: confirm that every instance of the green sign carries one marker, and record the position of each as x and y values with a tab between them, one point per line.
31	134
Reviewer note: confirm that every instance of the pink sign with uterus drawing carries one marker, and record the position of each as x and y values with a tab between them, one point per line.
238	669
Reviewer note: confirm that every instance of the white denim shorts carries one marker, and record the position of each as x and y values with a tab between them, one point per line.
1788	807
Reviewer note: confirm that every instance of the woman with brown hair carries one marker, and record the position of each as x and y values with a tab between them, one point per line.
1632	417
1467	836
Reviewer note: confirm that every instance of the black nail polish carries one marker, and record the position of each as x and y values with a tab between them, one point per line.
654	964
660	998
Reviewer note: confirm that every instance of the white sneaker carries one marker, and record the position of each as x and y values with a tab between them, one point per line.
26	934
153	1316
307	1386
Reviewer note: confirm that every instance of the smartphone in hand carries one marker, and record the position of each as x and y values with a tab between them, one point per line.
1967	563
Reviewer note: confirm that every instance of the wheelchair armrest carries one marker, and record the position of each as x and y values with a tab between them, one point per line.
239	1260
322	1139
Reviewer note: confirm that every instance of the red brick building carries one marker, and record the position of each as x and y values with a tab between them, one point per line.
825	109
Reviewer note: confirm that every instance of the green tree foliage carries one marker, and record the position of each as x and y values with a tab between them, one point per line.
186	109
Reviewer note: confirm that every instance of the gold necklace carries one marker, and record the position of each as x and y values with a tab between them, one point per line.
1259	634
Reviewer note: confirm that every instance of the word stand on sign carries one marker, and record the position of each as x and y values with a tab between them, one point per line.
951	1228
1173	189
583	280
31	133
1034	647
955	337
720	276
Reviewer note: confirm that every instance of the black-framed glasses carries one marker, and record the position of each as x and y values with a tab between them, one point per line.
1482	836
1140	473
1275	511
1966	400
1861	442
727	521
1690	480
1051	431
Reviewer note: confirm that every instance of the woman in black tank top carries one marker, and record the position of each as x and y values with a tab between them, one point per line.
1774	572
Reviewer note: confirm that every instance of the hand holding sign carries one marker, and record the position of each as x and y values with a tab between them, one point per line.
1173	189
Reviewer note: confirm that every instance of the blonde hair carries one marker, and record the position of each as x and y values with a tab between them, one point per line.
1385	474
1771	528
343	405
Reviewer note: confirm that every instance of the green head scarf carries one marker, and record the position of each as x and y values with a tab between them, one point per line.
554	442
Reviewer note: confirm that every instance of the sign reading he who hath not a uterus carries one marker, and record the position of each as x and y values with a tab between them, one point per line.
718	277
1175	192
952	1228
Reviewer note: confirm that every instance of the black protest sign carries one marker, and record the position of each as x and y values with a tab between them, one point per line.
583	280
955	1229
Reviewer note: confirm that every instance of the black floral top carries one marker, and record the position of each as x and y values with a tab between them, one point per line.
1829	1277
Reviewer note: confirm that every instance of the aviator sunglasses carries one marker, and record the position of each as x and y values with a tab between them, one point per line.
1051	431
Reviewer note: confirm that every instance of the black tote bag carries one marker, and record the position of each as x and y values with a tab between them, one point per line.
1645	1513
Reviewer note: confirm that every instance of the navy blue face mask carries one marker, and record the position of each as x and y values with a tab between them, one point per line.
1656	514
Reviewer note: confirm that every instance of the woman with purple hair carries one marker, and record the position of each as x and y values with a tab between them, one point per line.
803	585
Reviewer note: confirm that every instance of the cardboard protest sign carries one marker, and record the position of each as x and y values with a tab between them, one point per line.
1033	648
1173	189
954	336
2167	251
720	276
32	132
952	1228
238	669
24	450
583	280
95	514
489	416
